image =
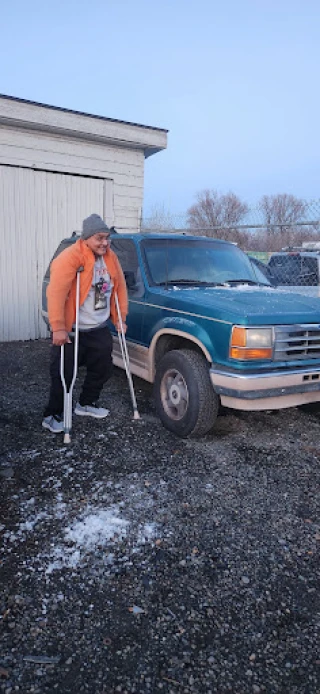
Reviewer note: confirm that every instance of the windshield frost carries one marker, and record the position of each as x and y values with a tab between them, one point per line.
196	262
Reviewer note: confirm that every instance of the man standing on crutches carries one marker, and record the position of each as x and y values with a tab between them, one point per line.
90	262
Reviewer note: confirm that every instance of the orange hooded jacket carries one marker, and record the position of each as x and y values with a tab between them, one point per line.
61	292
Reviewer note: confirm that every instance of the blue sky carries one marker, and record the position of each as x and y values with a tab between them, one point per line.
236	83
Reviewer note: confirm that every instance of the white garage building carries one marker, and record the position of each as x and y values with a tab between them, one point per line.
57	167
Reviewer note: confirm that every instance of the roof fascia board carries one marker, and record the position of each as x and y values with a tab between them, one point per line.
29	116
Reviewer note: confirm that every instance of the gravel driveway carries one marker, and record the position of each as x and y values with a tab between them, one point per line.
134	561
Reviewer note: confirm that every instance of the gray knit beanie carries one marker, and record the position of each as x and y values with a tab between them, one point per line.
92	225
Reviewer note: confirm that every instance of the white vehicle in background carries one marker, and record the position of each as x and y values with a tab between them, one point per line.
297	268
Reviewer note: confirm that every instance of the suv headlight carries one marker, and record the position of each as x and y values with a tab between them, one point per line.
251	343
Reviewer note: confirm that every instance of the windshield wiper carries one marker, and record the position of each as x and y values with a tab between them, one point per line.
201	283
245	281
186	282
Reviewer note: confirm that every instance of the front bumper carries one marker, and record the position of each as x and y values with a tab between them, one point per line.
269	390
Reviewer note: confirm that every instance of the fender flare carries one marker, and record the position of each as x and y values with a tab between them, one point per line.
179	333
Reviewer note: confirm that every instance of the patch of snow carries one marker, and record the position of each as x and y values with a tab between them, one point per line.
29	525
97	528
94	529
146	533
75	532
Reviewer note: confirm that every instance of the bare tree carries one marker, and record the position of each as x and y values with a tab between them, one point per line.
160	218
281	209
217	214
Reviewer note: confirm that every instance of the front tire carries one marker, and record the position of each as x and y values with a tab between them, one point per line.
185	400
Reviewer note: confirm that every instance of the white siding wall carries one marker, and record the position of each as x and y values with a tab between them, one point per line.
37	210
56	168
54	153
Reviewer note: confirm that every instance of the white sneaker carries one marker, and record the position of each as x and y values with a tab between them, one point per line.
91	411
54	423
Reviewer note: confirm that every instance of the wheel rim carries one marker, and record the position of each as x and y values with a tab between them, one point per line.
174	394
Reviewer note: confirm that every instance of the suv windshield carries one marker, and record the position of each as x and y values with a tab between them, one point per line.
208	262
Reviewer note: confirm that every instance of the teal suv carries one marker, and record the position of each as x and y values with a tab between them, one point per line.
207	329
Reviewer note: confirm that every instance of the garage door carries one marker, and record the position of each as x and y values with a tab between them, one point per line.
37	210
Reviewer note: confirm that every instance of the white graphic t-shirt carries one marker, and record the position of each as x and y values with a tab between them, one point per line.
96	308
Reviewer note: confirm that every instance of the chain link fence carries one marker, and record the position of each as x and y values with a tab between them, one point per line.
255	218
289	249
296	267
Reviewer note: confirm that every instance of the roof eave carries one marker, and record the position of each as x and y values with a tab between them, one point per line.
29	116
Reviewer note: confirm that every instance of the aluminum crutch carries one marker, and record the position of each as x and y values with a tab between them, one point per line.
125	357
67	394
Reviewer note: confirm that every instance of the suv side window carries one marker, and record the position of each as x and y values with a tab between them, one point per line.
127	254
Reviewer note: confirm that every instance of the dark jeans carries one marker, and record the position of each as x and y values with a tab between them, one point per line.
95	352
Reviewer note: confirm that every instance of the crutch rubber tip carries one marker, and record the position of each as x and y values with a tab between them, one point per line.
136	415
67	438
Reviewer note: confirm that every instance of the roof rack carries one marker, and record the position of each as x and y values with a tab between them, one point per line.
291	248
306	246
311	245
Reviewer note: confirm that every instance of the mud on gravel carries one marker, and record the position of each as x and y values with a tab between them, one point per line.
135	561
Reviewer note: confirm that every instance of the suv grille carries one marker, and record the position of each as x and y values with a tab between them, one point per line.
297	342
